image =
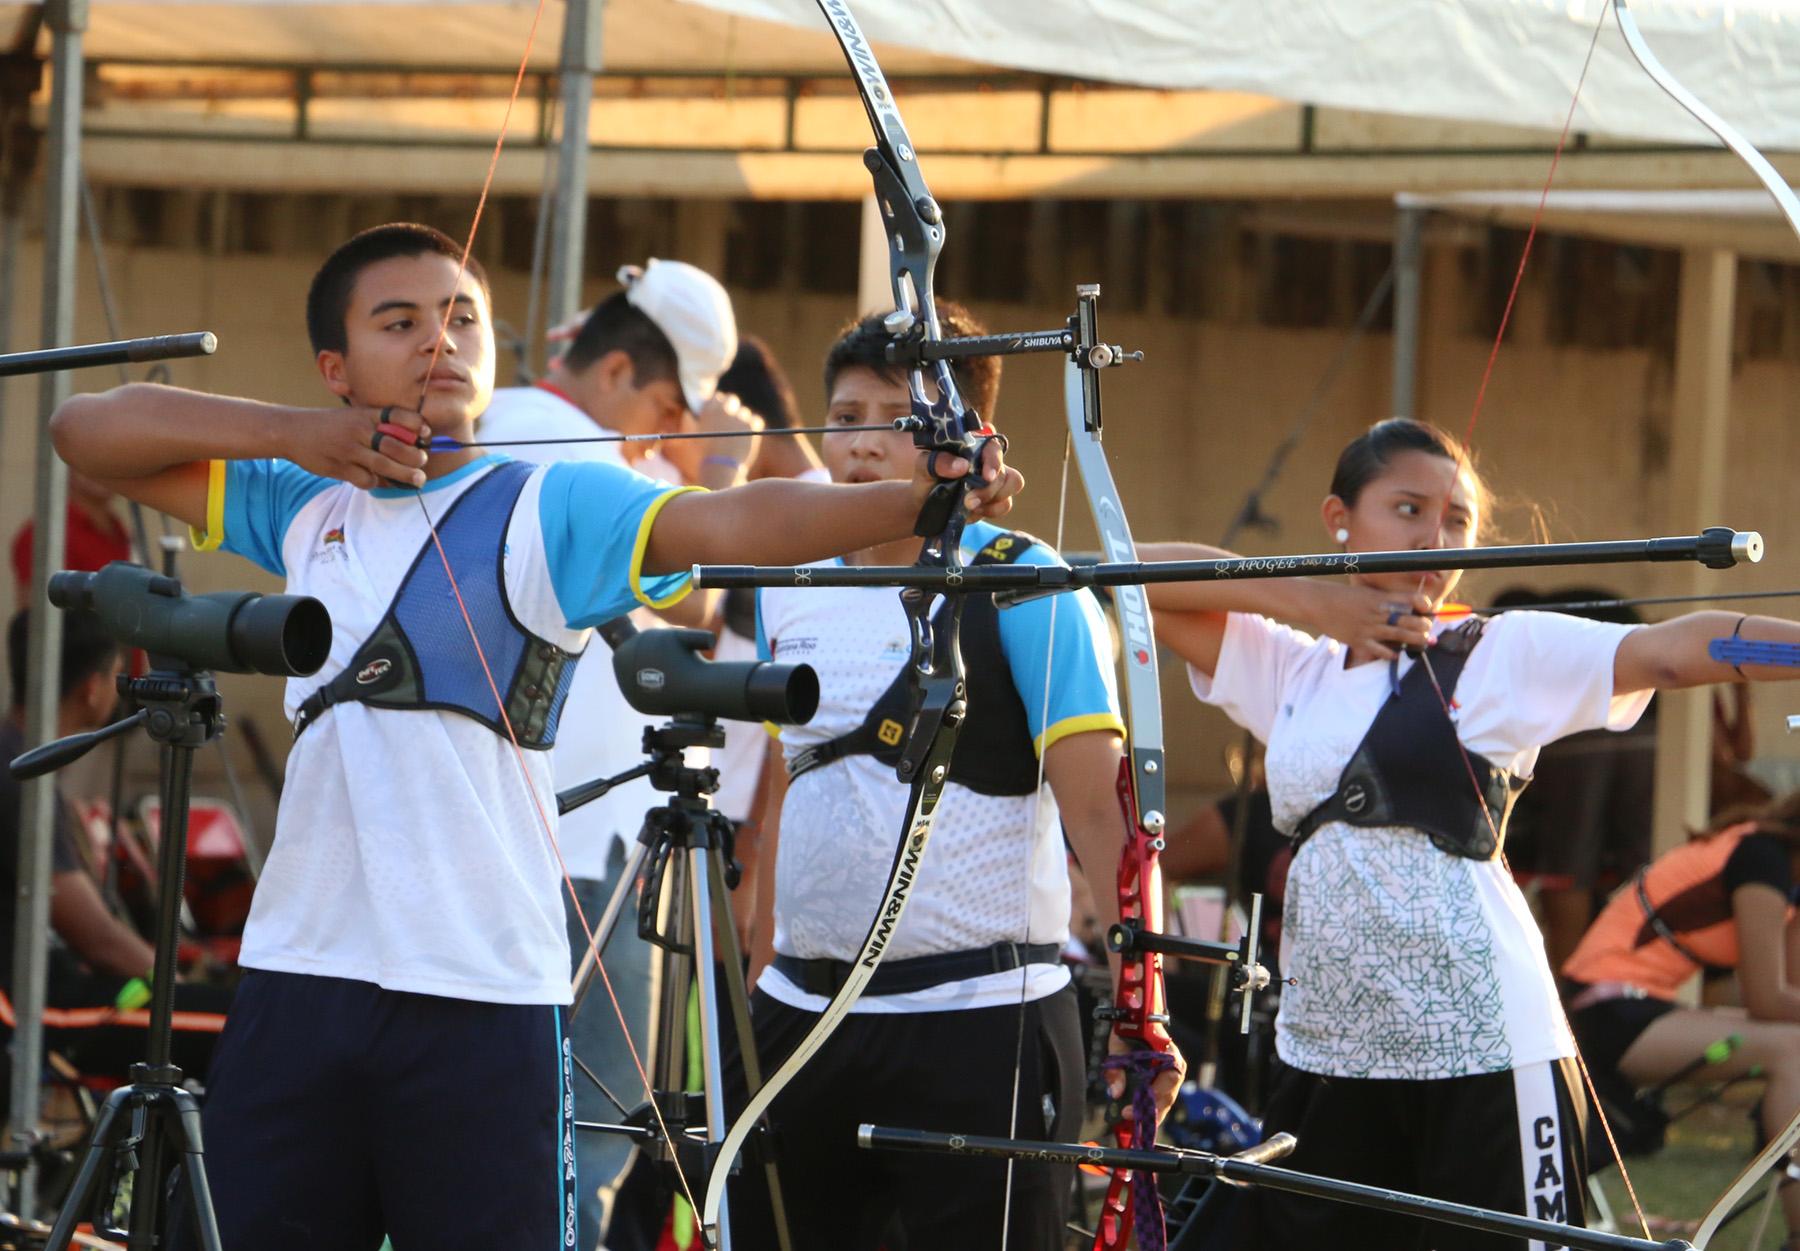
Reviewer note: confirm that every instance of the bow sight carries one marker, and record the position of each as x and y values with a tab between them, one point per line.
1079	339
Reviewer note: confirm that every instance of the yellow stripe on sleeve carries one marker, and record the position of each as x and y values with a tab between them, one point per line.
642	546
1078	725
208	540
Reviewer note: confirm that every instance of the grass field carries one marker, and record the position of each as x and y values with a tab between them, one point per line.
1704	1153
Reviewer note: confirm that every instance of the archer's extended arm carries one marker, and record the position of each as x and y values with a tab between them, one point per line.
151	443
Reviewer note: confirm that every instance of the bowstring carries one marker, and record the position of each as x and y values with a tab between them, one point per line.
1031	825
1462	463
512	737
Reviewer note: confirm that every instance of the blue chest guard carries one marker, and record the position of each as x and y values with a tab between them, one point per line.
420	655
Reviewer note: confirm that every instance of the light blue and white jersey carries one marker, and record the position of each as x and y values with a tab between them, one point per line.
996	870
409	850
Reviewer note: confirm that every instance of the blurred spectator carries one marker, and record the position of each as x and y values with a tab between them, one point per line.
91	1016
95	536
1725	900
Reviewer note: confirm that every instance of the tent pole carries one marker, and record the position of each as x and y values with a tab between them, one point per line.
1409	253
575	87
1697	485
68	21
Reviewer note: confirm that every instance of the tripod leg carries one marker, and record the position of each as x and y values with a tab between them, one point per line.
184	1125
81	1191
604	927
699	921
737	994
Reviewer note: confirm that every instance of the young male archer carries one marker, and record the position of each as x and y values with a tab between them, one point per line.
973	986
394	1062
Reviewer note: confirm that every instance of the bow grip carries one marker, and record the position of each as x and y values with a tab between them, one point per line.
942	501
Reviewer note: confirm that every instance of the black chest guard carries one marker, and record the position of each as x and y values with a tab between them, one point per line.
1409	769
994	752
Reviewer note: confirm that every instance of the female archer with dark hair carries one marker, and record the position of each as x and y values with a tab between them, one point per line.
1722	901
1424	1043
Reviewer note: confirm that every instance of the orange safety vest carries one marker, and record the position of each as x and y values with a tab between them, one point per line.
1681	894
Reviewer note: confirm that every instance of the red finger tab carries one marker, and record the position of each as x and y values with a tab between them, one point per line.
400	434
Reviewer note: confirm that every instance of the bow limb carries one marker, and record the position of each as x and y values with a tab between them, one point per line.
939	424
1727	134
1788	1139
537	801
927	790
1769	1158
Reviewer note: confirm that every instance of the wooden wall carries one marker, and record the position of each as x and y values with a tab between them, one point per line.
1579	431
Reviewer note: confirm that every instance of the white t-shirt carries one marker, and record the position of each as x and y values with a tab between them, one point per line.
740	761
1409	962
599	734
996	870
409	850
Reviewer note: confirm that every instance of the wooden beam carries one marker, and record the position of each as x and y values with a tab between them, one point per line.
322	166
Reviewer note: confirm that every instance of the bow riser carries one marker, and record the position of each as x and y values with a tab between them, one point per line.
1139	1004
1140	999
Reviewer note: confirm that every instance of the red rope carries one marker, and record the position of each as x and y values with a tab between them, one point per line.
1462	463
518	752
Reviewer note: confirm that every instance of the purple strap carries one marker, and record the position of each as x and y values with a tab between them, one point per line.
1142	1068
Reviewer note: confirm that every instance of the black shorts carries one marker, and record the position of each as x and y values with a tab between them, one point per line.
1510	1141
947	1071
340	1113
1605	1031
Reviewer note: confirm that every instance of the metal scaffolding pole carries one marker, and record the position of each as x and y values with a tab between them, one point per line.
67	20
1409	254
575	82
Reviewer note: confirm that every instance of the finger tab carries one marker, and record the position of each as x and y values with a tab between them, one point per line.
400	434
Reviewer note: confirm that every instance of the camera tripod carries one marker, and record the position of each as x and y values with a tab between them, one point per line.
151	1124
683	857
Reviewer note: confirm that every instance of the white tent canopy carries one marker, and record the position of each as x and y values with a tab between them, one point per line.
1508	61
1512	62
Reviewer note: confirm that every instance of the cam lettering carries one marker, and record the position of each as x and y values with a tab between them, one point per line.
1551	1207
1549	1200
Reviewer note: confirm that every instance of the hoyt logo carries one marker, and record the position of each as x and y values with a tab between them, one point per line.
374	671
1132	610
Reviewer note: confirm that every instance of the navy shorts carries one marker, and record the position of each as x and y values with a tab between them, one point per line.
339	1113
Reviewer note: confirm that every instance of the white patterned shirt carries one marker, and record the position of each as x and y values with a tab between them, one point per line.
1409	962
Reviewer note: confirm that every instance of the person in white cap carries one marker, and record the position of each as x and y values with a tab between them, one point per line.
644	362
